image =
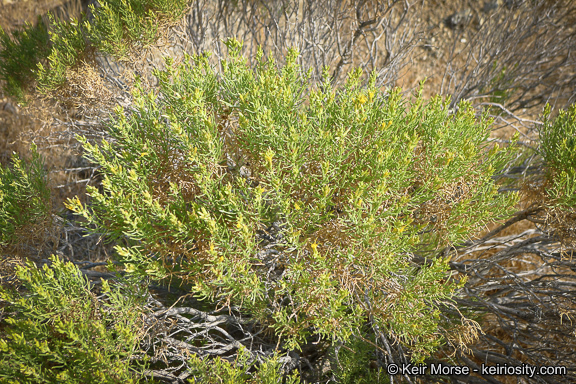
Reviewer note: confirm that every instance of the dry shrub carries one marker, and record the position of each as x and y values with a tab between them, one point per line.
520	289
84	89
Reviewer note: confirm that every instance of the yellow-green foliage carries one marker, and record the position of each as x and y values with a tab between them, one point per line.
558	148
33	54
24	195
119	23
57	331
351	363
219	371
354	183
68	44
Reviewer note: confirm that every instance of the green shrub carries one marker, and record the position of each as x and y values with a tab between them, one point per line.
20	55
351	364
120	23
57	331
307	208
558	149
220	371
170	10
24	195
117	25
68	44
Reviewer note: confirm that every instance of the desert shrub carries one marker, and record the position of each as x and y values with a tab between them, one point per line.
520	281
356	363
68	44
558	150
313	209
57	331
552	192
220	371
24	195
19	56
317	212
116	26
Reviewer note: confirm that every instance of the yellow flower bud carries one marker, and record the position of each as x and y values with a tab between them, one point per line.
314	246
268	156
